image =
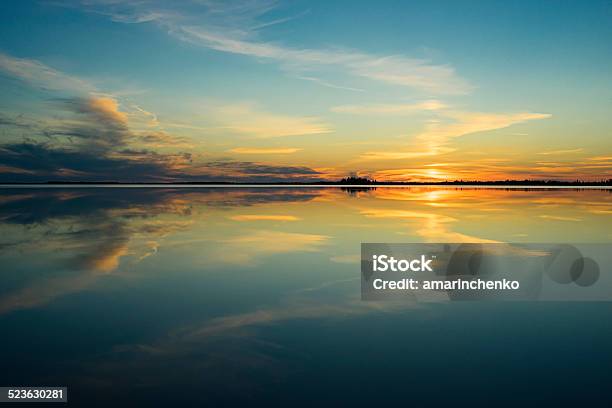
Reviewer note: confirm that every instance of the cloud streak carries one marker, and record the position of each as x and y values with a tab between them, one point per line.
437	134
233	27
272	150
42	76
390	109
395	70
248	119
561	152
263	217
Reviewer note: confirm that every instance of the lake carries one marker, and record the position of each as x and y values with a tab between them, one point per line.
231	296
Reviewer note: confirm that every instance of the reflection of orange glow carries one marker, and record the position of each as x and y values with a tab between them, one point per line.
375	213
436	230
432	227
431	196
456	214
194	227
247	248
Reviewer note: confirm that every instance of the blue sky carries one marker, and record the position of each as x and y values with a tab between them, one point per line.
394	90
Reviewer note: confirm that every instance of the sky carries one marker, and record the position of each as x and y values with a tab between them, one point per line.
202	90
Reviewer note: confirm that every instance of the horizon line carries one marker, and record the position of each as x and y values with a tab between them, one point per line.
372	186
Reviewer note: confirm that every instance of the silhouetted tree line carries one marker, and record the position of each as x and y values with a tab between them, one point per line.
357	180
367	181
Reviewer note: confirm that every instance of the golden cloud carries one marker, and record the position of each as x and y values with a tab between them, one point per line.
273	150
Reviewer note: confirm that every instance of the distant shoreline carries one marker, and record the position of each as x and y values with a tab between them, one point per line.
491	185
347	182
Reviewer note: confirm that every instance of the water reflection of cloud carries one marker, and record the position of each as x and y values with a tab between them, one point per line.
347	259
405	214
80	235
459	214
246	249
65	240
75	256
431	227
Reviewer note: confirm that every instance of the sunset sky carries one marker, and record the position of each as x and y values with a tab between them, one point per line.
267	91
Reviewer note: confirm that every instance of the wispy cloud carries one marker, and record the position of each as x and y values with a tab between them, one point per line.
561	152
233	27
390	109
464	123
403	154
560	218
396	70
151	119
248	119
329	84
435	138
263	217
42	76
271	150
162	140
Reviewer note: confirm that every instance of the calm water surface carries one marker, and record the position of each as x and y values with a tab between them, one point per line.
229	296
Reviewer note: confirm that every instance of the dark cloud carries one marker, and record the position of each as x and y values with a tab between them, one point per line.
41	162
17	121
102	126
93	145
162	138
250	168
38	162
241	171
